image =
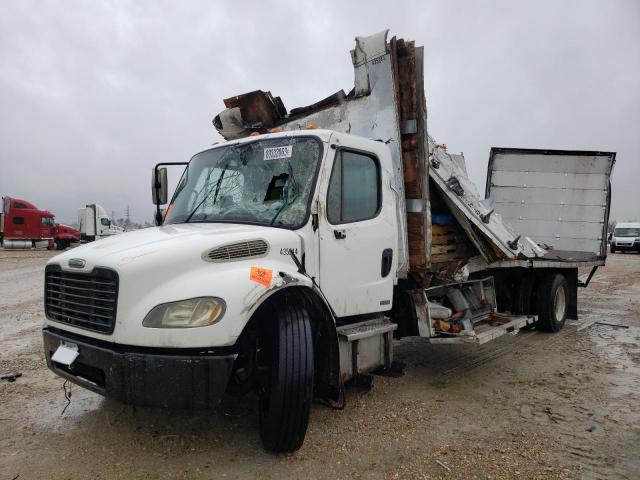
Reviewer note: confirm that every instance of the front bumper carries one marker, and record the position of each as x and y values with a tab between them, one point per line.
634	247
171	378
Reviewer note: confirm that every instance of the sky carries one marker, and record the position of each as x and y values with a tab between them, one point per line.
93	94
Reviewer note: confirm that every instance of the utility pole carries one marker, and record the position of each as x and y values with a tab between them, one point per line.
127	217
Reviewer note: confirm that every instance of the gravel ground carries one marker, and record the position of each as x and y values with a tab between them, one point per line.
527	406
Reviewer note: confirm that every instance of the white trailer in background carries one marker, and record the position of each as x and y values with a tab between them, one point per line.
94	223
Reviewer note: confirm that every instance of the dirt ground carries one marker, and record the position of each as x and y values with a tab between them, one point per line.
531	405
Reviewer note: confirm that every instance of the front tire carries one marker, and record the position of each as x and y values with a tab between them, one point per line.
286	391
553	296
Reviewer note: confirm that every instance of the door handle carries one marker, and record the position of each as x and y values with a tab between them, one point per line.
387	257
339	234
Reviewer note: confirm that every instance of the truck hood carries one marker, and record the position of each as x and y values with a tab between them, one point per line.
170	244
172	263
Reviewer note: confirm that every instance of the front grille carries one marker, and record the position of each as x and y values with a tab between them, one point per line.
84	300
238	251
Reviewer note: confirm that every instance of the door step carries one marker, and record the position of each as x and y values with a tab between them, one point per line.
368	328
365	346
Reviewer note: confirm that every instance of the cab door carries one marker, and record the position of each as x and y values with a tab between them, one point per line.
357	226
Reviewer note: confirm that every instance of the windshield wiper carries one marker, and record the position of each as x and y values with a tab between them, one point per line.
229	152
216	187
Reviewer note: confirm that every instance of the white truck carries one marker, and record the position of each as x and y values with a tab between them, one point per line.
291	255
626	237
94	223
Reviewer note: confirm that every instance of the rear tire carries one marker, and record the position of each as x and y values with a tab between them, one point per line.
553	296
286	391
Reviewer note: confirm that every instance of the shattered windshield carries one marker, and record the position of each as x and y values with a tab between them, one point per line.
267	182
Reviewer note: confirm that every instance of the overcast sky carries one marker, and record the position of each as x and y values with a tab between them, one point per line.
93	94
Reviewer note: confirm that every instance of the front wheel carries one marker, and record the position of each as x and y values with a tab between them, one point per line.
553	296
286	384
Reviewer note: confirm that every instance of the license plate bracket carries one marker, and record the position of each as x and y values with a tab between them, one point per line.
65	354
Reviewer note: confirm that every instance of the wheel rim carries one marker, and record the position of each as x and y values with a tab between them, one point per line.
560	304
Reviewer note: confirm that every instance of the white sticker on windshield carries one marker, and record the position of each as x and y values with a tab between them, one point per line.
276	153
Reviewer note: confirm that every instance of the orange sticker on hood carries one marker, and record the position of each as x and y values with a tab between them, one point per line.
261	275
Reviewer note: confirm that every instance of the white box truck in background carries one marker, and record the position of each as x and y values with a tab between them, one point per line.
94	223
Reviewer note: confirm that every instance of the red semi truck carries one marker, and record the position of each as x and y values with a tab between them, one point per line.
23	225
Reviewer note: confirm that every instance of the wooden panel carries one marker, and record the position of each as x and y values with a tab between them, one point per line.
446	258
443	229
448	246
409	142
443	239
417	253
412	180
411	112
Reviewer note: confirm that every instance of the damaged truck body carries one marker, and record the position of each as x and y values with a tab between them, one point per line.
292	254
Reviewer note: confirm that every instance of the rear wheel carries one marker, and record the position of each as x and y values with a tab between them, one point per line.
553	295
62	244
285	386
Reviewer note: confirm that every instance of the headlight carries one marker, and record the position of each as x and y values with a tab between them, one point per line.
195	312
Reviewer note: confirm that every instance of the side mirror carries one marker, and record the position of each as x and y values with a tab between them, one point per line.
159	186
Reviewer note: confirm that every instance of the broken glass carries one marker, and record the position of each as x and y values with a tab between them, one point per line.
266	182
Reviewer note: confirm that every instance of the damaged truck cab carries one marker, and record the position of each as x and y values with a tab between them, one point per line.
231	288
292	254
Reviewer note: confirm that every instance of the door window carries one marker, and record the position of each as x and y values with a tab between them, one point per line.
354	188
18	220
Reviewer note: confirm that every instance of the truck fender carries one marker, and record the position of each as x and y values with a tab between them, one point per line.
328	381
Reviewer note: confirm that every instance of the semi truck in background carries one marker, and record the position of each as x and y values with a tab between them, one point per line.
94	223
292	254
23	225
64	236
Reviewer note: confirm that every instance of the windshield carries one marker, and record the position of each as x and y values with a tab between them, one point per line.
627	232
267	182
